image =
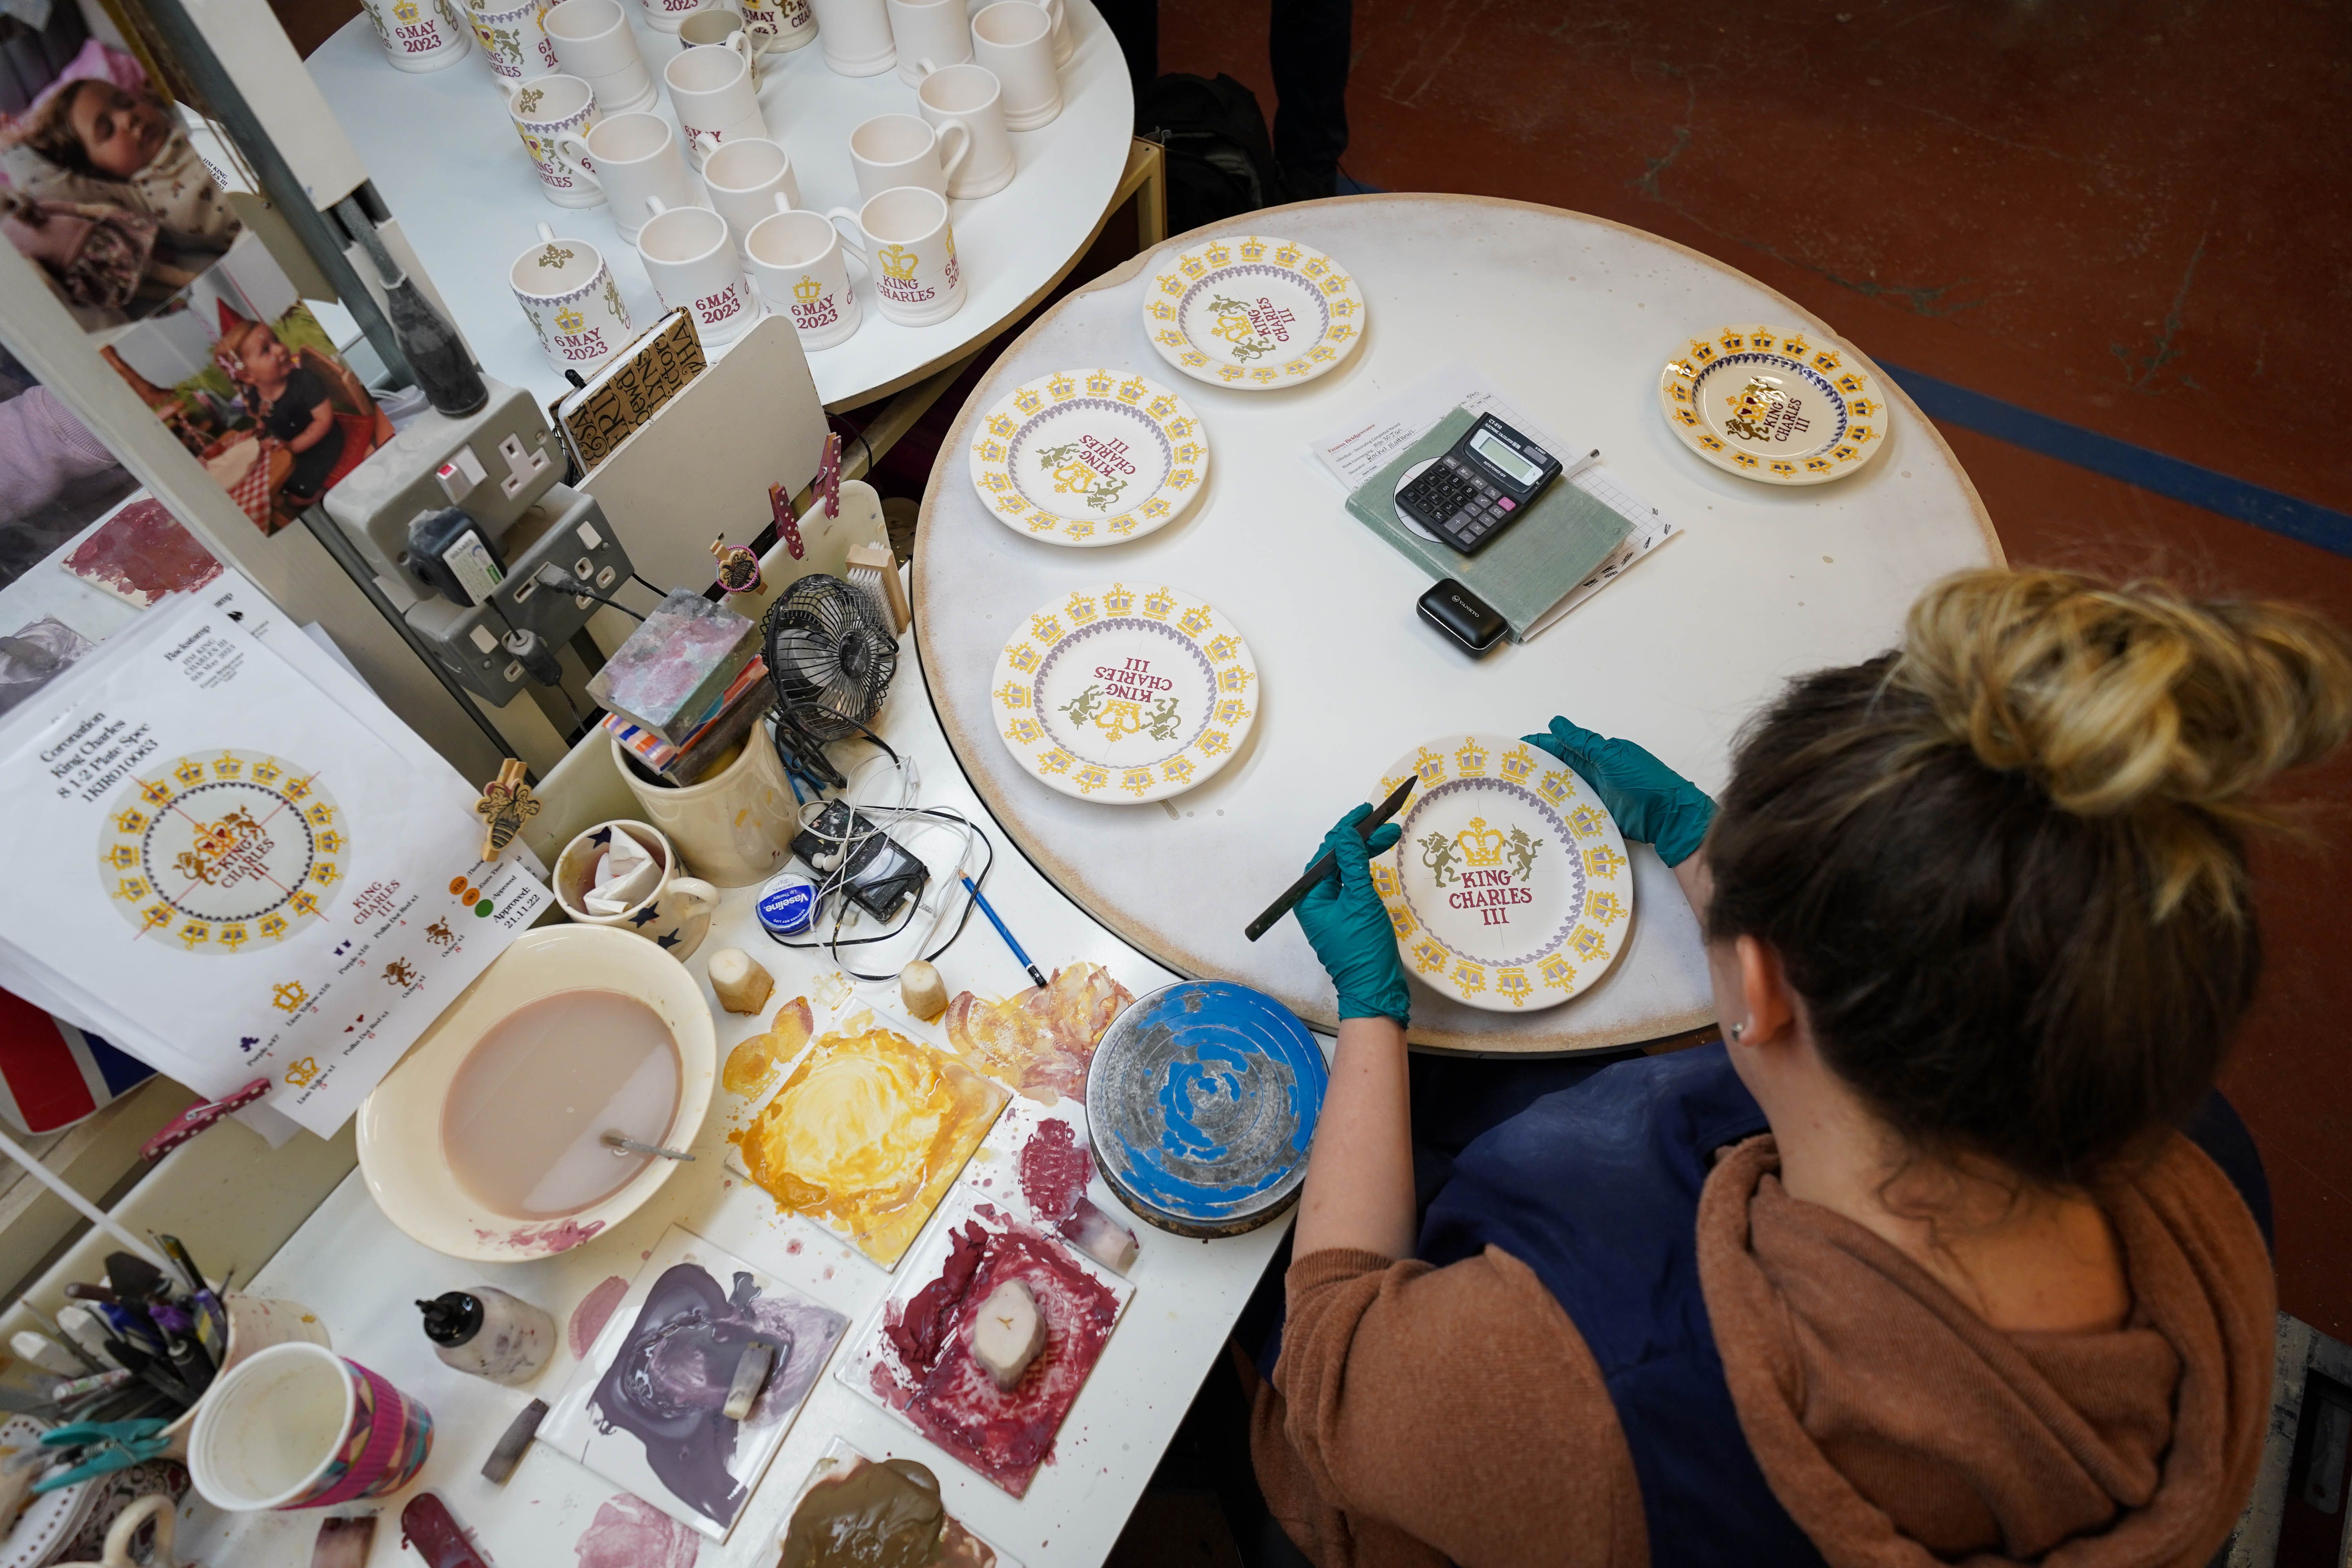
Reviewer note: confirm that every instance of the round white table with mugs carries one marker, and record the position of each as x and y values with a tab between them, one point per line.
901	178
1322	683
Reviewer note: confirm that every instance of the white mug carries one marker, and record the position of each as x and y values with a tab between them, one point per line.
567	290
637	160
933	30
803	274
779	27
905	241
419	35
593	40
857	36
695	267
547	111
721	29
1014	39
514	39
664	15
893	149
747	178
968	96
711	91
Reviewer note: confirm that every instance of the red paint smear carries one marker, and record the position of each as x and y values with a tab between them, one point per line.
630	1533
141	555
1003	1434
588	1318
1053	1170
793	1248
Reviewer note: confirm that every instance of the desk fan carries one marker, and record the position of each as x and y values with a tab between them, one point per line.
830	658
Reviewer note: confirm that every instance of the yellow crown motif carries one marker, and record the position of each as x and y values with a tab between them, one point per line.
1061	386
289	996
1252	248
273	926
1518	764
1081	608
233	937
1132	390
189	772
226	766
1218	255
1471	758
1159	603
192	933
807	288
568	319
1429	765
898	262
267	771
1098	384
406	10
1481	845
302	1072
1027	401
1120	600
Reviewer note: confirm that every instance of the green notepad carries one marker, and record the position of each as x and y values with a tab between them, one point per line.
1536	563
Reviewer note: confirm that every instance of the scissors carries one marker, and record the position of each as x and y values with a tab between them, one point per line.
105	1445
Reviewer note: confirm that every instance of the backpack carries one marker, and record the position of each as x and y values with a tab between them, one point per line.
1219	159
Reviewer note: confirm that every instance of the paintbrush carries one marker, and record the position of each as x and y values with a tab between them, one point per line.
618	1144
74	1347
1325	865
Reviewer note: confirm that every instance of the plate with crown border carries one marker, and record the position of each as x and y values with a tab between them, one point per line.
1782	408
1253	313
1087	457
1126	695
1510	889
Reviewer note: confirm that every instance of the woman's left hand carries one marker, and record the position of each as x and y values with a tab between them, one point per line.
1345	921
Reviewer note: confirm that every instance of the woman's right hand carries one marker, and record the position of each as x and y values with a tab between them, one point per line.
1653	803
1348	927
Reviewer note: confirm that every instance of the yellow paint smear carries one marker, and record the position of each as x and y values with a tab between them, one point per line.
750	1065
1042	1041
866	1133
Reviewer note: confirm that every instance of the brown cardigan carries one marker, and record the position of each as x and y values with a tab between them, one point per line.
1420	1414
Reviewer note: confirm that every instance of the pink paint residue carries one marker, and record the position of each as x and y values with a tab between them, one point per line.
542	1240
588	1318
793	1246
630	1533
1055	1167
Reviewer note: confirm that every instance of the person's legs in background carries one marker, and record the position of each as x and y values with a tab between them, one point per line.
1309	43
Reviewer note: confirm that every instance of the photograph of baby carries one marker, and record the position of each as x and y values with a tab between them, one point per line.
240	371
101	186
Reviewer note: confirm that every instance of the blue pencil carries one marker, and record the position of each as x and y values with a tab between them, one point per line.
997	920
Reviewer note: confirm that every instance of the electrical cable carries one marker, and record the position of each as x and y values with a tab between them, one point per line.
555	579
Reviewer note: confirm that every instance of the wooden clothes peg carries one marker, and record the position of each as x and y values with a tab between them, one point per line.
506	805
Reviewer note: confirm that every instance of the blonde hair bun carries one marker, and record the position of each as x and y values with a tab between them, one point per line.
2131	699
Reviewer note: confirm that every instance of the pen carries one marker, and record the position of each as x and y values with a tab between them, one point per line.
997	920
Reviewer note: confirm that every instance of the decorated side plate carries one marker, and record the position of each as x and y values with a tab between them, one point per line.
1786	408
1089	457
1126	695
1510	889
1252	313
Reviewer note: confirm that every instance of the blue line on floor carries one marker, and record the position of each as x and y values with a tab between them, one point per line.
2273	511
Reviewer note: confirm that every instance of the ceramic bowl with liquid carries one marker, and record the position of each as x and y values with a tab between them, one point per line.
483	1144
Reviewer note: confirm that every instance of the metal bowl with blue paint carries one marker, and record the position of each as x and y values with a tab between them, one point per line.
1201	1101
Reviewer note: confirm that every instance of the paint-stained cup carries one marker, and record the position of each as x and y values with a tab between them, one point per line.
254	1323
673	917
299	1427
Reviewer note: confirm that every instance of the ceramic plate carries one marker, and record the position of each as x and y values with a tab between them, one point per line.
49	1520
1510	888
1787	408
1125	696
1087	457
1252	313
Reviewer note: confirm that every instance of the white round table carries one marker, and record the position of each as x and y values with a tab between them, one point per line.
441	151
1573	318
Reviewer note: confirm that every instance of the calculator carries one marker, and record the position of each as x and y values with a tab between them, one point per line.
1479	487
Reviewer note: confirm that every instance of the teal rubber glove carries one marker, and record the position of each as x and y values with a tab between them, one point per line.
1652	803
1348	927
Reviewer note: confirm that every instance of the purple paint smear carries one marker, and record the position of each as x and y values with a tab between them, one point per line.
670	1376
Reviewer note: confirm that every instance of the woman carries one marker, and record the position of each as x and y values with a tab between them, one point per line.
1918	1266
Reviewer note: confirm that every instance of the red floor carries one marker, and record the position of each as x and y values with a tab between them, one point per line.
2134	217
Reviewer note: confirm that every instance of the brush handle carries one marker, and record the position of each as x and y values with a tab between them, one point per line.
1325	865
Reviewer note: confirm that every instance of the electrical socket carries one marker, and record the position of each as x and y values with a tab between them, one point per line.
524	465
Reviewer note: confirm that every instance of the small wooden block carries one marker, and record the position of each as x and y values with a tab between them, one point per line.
1008	1333
925	994
742	986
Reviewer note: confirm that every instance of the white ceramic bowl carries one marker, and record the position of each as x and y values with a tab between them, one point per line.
400	1124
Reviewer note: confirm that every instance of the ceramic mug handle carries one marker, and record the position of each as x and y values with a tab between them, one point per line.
783	203
948	166
546	232
740	42
699	896
574	152
853	236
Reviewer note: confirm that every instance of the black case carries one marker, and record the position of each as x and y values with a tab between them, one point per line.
1462	616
